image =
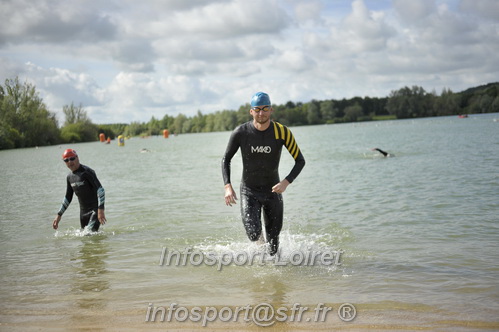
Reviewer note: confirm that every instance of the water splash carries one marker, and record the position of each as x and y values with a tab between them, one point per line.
76	233
295	250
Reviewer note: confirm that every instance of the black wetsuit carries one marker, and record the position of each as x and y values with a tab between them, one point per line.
382	152
91	196
261	153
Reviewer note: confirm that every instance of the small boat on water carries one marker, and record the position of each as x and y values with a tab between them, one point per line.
462	116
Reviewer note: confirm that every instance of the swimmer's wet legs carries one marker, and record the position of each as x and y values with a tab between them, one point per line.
252	203
90	220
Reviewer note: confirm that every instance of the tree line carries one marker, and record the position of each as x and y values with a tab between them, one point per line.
25	120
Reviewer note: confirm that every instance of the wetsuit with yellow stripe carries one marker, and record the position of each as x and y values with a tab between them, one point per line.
261	154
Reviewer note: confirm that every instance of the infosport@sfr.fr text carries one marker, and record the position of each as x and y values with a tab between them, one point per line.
262	314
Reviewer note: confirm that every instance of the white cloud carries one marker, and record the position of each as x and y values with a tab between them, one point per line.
488	9
62	82
127	61
135	55
295	61
360	31
308	11
414	11
239	17
9	68
53	22
364	30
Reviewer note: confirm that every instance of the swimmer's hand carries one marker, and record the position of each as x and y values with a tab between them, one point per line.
280	187
101	216
55	223
230	195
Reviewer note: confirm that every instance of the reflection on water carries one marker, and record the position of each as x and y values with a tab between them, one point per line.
268	289
89	279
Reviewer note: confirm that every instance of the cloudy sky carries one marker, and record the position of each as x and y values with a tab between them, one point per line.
129	60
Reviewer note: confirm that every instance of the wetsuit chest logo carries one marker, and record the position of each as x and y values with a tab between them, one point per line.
261	149
77	184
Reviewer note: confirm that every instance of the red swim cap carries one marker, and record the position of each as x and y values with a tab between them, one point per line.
69	153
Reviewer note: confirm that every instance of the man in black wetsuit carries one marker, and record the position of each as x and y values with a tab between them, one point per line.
261	141
84	183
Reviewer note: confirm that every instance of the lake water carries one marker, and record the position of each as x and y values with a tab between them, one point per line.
416	236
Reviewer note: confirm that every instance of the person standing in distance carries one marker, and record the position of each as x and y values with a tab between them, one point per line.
84	183
261	141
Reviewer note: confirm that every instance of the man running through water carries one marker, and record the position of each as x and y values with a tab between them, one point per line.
261	141
84	183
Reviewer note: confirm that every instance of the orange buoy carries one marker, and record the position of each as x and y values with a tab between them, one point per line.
166	133
102	137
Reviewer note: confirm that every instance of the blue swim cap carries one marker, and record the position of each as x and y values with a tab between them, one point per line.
260	99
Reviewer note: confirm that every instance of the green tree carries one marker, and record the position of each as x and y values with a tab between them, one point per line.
494	108
410	103
243	114
9	137
79	132
187	126
25	120
112	130
178	124
313	112
352	113
210	123
228	120
167	123
74	114
485	103
328	111
154	127
134	129
198	123
448	103
297	116
374	106
77	126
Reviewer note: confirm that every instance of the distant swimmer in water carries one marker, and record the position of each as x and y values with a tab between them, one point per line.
385	154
